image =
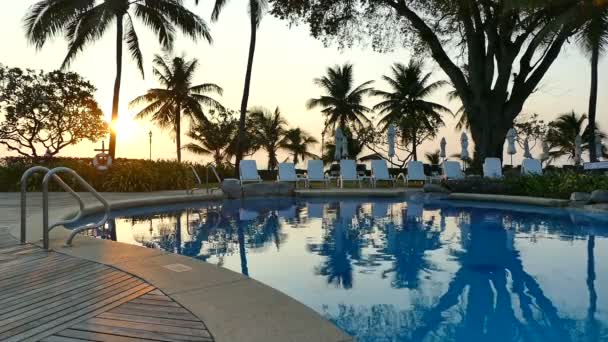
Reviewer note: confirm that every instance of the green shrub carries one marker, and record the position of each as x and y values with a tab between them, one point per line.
125	175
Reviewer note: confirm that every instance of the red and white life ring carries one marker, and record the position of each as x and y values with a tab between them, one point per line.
102	161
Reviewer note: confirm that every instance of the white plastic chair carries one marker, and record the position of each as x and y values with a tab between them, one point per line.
452	170
287	173
492	168
380	173
415	172
531	167
248	172
348	173
315	173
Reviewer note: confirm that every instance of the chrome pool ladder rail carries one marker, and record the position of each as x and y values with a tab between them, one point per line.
24	181
208	167
45	207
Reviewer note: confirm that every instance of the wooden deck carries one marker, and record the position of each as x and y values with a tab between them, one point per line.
48	296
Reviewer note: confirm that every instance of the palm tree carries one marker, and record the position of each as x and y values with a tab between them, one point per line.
256	9
269	128
298	142
212	137
406	107
562	133
342	102
85	21
593	37
463	121
434	158
178	97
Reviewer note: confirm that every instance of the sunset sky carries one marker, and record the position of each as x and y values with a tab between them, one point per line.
286	61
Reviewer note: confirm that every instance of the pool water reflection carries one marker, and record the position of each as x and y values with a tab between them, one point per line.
395	271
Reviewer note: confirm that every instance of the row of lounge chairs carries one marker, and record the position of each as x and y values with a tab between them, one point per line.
452	170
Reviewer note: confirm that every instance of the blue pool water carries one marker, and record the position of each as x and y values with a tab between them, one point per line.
389	270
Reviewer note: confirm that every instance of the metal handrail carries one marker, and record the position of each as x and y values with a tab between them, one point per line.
45	207
24	178
200	182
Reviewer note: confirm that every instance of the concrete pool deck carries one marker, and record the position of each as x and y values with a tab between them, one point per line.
232	306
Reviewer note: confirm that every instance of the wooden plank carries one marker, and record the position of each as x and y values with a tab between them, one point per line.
26	304
48	312
169	315
23	268
156	297
148	327
17	248
154	320
137	333
51	271
157	292
155	302
145	307
62	339
82	312
93	336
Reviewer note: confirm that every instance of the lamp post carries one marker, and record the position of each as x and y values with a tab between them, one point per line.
150	135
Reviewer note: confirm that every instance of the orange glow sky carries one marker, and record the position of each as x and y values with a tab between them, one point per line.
286	61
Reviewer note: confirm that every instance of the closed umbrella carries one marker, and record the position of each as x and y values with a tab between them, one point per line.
511	150
545	155
599	147
392	132
344	147
578	149
442	145
527	153
464	147
338	144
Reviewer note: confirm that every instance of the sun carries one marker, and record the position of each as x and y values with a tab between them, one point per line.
126	128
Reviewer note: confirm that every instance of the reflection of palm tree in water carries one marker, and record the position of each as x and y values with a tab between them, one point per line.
487	260
592	323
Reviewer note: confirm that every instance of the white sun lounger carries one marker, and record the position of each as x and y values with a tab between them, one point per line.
315	173
248	172
415	172
380	173
452	170
492	168
287	173
348	173
531	167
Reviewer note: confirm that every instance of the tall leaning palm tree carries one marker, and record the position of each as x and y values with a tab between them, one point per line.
405	105
84	22
342	103
593	38
178	98
269	128
298	143
256	9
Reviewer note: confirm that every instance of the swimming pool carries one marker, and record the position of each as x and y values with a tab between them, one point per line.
392	270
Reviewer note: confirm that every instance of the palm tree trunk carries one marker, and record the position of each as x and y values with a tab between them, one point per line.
115	101
414	146
245	100
593	102
178	132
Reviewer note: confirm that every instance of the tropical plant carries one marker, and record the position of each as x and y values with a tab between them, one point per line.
47	110
213	137
434	158
355	146
256	9
405	105
495	53
269	128
297	142
86	21
593	38
342	103
178	98
562	133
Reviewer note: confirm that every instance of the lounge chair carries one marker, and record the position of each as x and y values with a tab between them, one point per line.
315	173
380	173
531	167
348	173
287	173
248	172
452	170
415	172
492	168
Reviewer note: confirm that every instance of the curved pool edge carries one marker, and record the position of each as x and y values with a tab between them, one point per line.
234	307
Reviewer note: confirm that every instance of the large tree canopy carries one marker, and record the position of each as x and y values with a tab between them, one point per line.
495	52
